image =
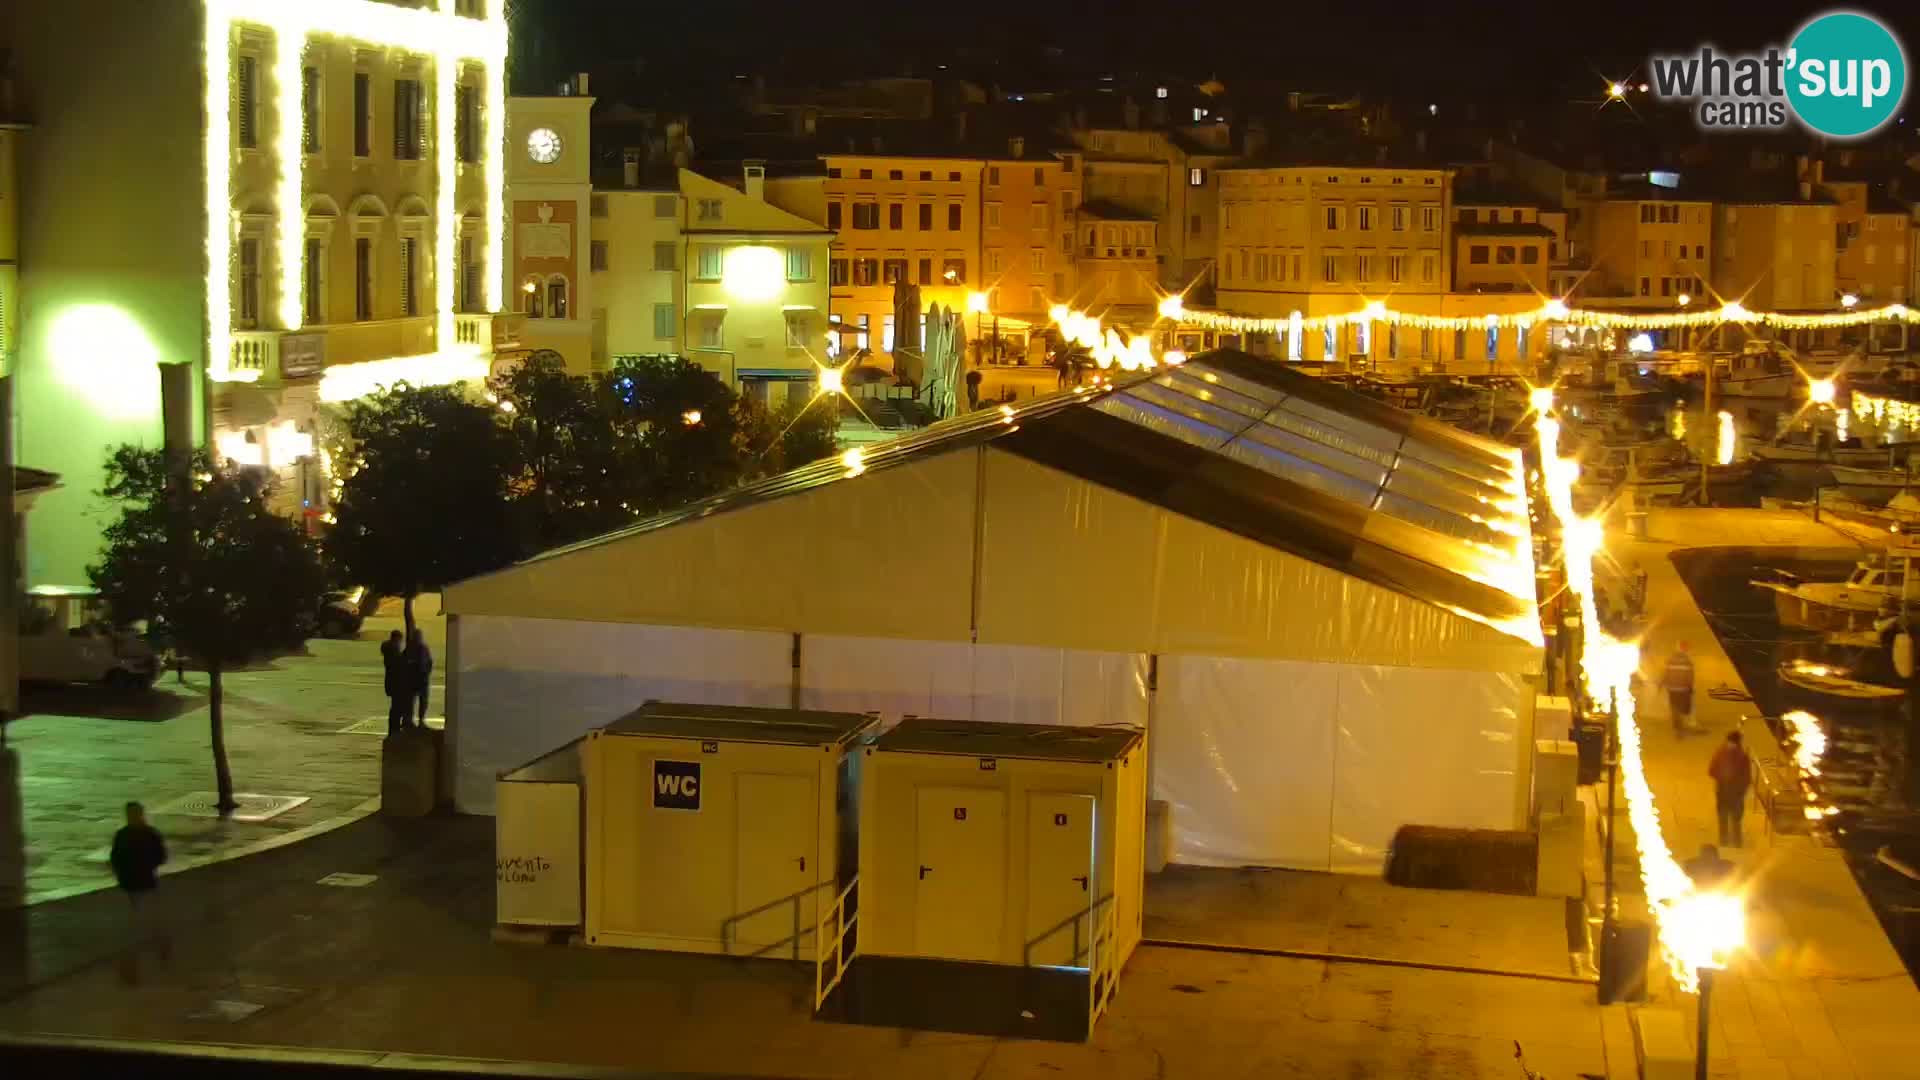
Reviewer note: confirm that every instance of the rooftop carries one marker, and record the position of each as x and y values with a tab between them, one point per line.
1043	742
729	723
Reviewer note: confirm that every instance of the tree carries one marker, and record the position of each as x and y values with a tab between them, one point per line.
425	500
199	556
772	441
576	476
683	419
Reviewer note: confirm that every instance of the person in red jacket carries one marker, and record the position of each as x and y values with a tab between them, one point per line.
1732	772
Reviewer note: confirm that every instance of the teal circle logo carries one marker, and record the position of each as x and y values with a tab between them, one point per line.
1846	74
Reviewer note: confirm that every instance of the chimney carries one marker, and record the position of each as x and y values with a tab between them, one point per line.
630	168
1017	147
1806	190
582	85
756	180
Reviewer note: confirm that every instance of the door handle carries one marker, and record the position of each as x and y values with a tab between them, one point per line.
803	863
924	871
1082	879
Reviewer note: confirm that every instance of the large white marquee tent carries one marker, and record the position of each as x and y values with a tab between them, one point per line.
1320	607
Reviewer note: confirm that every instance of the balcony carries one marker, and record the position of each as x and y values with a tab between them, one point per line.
256	350
490	332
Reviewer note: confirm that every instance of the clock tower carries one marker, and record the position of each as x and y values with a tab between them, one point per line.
549	213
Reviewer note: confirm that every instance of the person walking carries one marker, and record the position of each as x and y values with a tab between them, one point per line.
136	857
1732	772
417	659
1679	684
399	689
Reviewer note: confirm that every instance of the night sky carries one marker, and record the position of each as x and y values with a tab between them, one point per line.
1449	51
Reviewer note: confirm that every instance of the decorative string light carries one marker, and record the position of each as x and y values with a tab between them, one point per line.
1556	311
447	39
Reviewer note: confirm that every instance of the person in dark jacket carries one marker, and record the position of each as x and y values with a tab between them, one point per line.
138	853
1732	772
398	686
417	661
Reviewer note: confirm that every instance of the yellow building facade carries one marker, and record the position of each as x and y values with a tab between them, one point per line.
1647	249
550	211
1776	255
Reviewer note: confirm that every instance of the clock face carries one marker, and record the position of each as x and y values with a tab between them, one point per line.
543	145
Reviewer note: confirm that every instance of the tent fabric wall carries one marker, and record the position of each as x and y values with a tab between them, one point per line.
957	681
817	562
1316	766
524	686
1134	577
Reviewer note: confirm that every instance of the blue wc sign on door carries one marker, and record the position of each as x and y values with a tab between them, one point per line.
676	785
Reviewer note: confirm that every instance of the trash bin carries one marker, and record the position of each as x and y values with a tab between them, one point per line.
1624	949
1591	739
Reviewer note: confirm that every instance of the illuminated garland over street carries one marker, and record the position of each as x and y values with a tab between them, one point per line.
1553	311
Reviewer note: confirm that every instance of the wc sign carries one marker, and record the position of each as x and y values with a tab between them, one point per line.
676	785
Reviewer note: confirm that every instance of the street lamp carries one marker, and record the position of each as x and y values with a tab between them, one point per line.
1848	300
978	302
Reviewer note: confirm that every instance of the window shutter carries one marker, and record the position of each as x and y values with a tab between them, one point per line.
419	120
243	97
406	276
310	110
401	111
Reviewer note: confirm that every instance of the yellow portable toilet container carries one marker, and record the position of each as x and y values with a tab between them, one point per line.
1004	860
718	829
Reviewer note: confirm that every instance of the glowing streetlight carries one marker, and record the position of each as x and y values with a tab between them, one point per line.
1820	391
832	380
1172	307
1685	299
1848	301
1616	91
690	417
976	302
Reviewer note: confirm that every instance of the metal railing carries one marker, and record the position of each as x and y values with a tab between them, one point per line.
801	930
831	931
1089	915
1103	967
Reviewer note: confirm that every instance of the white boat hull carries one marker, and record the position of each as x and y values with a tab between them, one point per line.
1856	457
1778	387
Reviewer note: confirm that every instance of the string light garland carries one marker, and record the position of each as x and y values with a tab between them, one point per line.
1553	311
447	39
1891	412
1699	930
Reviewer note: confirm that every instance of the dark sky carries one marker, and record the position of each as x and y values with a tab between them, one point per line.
1446	50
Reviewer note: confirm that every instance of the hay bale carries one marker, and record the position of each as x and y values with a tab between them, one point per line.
1483	860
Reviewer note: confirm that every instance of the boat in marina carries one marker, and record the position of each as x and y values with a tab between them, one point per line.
1875	486
1818	453
1757	373
1878	581
1816	686
1652	470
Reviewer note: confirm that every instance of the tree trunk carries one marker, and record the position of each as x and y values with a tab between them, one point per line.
222	776
406	614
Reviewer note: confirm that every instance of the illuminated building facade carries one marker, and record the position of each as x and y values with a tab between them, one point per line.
306	214
550	207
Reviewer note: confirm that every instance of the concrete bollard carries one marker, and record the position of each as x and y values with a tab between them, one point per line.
410	773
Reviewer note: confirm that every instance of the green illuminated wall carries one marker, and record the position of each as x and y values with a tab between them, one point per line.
112	247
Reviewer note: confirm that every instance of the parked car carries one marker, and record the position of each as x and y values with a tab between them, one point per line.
340	615
66	637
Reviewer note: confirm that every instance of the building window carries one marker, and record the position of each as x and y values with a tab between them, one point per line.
799	264
1646	213
711	261
466	122
994	263
796	330
713	331
833	216
953	271
1699	251
866	271
1366	219
833	174
1193	225
1328	348
557	297
1333	217
409	120
896	174
1429	267
924	276
836	271
362	278
246	102
409	284
866	215
1363	268
312	304
866	331
1041	217
1646	287
1329	268
249	282
1429	218
1493	343
309	110
663	322
866	174
1503	255
1398	216
597	255
953	217
1196	177
993	174
663	255
708	210
469	276
1477	254
1396	268
993	215
926	174
896	216
1530	254
362	114
893	271
666	206
953	177
886	332
926	217
1037	261
1520	341
1039	177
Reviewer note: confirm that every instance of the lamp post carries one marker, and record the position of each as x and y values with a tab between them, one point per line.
978	302
1705	975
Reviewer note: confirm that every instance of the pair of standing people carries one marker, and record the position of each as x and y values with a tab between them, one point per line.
409	671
